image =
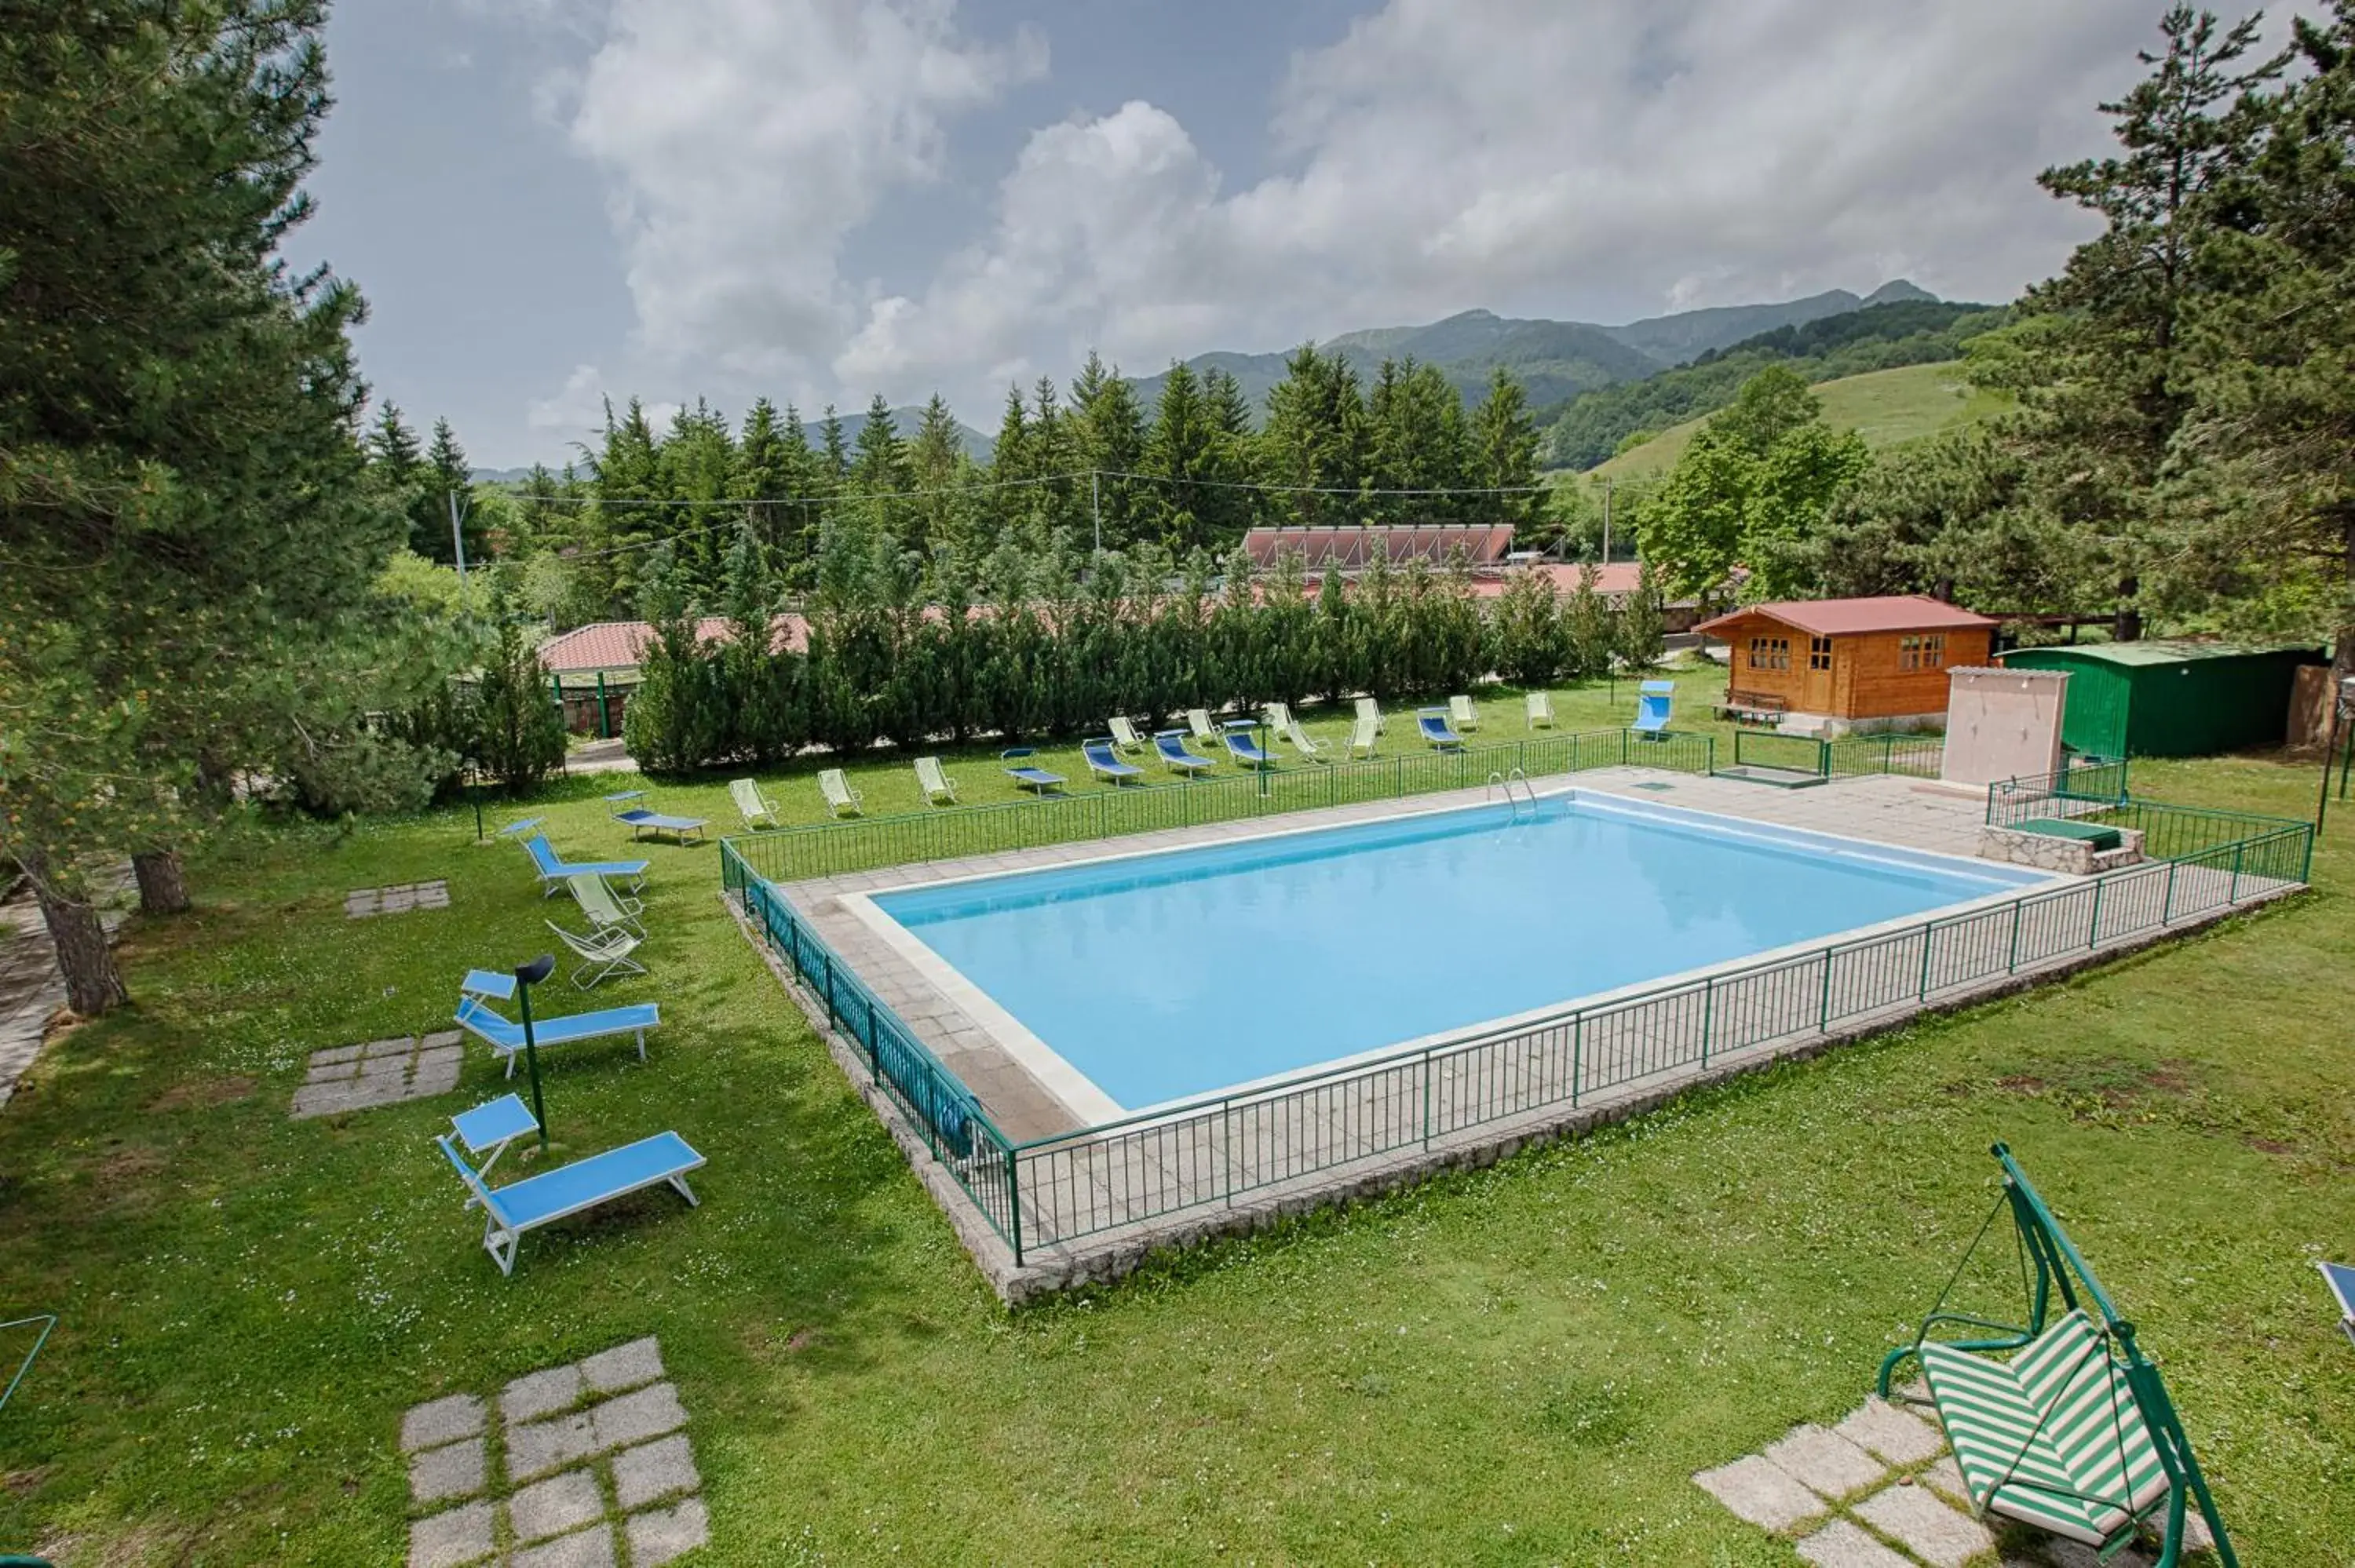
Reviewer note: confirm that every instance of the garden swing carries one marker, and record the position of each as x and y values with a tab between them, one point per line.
2073	1431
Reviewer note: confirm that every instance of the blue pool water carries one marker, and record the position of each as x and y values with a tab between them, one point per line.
1163	976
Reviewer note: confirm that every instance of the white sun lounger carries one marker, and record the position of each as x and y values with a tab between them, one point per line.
1466	717
754	806
1370	712
1540	708
1361	735
602	954
939	788
841	800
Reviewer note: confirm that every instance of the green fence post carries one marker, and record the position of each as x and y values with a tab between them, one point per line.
2093	936
2012	966
1929	934
2167	904
1426	1100
1823	1012
832	1022
2238	846
1014	1201
1577	1045
604	727
1708	1018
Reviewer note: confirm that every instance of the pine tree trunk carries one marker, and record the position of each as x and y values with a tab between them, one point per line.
93	985
162	884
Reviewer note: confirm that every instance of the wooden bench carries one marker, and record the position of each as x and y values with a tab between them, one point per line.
1754	707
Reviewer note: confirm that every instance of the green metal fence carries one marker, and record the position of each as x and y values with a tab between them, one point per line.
835	849
1913	756
2076	790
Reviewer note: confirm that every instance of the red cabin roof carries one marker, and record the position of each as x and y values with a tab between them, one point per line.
1849	616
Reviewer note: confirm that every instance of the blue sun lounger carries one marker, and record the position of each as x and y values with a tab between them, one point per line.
642	821
1171	744
480	1019
554	868
2341	1280
1243	748
552	1195
1432	722
1105	763
1652	709
1026	776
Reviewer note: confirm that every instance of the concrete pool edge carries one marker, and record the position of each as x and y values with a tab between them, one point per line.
1094	1106
1051	1266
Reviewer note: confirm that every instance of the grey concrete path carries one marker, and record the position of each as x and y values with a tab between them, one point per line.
31	989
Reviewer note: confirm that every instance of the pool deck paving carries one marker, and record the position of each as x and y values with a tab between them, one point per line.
1095	1205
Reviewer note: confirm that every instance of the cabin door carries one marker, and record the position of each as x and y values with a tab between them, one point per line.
1816	683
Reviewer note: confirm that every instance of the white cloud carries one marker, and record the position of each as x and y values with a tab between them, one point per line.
1558	157
747	139
1452	153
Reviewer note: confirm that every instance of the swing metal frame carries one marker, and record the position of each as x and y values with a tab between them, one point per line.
2052	1268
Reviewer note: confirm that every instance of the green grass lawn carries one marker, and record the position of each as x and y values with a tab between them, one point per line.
1518	1366
1888	407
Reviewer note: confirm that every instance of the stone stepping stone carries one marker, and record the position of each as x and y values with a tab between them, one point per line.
364	903
1759	1492
1842	1544
594	1458
1825	1462
379	1072
1927	1528
1897	1436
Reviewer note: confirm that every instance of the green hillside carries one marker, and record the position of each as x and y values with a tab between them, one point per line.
1887	407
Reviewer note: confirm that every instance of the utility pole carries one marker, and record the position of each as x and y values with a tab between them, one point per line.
1095	510
1607	482
458	543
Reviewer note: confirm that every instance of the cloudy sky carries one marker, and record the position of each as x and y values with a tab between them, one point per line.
547	201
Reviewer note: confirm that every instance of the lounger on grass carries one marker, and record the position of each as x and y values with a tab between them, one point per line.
1278	716
1197	720
1362	734
1466	717
757	811
1540	705
939	788
602	954
605	908
552	1195
643	822
1432	722
477	1017
1652	708
1370	712
1301	743
554	868
1106	765
1243	748
1170	744
1029	775
1123	734
841	800
2341	1280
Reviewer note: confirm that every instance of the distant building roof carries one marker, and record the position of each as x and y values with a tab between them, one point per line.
1617	578
2165	651
1350	550
622	644
1849	616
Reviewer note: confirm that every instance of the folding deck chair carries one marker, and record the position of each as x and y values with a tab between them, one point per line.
643	822
753	805
1197	720
1466	717
1370	712
602	954
1652	703
604	907
1123	734
841	800
551	1195
939	788
1540	710
1362	734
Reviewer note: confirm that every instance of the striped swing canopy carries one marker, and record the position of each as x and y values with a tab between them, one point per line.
2059	1423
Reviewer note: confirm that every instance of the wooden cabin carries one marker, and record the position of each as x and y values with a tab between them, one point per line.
1834	666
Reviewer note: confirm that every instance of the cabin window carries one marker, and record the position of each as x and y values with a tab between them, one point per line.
1820	652
1926	652
1770	653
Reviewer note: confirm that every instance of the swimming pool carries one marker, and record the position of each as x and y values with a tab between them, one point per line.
1135	980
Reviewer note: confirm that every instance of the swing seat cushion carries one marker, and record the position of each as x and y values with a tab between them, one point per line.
2053	1438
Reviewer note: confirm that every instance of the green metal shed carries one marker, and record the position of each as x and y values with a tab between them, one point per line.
2170	699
